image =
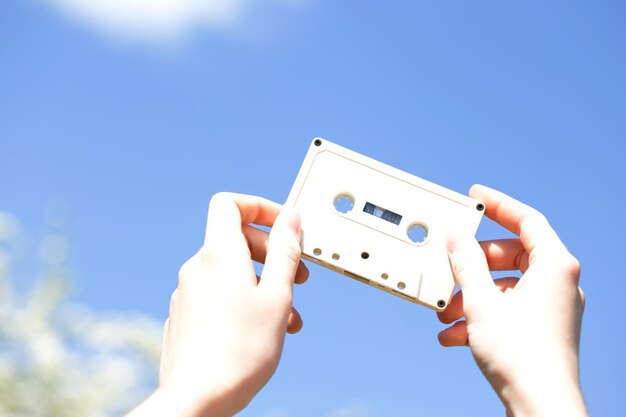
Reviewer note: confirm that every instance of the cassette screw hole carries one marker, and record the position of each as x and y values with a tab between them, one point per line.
317	142
365	255
480	206
441	304
336	256
401	285
417	233
317	251
384	275
343	203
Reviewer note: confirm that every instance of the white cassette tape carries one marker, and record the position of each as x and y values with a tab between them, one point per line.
379	225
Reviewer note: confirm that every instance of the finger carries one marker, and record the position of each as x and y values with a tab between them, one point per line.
227	213
470	268
536	234
505	255
174	300
505	284
295	323
302	273
257	242
581	293
455	335
283	254
454	311
165	345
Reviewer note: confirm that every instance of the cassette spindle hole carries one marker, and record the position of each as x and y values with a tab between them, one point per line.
336	256
417	233
384	275
365	255
401	285
480	206
317	251
344	203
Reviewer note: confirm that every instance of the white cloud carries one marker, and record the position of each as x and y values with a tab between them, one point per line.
157	20
354	410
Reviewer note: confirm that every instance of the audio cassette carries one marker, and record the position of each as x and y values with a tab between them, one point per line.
379	225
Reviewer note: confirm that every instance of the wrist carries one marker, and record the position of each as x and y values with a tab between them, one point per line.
178	401
544	398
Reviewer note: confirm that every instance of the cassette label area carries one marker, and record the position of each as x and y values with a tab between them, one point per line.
379	225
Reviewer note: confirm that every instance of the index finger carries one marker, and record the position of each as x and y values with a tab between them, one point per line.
227	213
536	234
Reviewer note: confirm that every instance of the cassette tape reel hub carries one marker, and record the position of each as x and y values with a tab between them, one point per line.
379	225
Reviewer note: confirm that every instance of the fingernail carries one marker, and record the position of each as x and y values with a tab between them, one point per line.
452	240
291	219
455	238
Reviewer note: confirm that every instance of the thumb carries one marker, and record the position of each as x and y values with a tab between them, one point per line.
283	253
470	268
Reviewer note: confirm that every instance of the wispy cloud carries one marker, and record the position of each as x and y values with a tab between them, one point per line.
354	410
159	20
358	409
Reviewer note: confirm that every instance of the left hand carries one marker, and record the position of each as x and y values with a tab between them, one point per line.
225	334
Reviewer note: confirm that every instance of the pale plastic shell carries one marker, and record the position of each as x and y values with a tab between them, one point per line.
371	249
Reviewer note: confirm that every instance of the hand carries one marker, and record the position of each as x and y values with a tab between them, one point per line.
224	337
524	333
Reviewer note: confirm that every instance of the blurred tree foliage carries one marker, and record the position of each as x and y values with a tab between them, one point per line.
58	358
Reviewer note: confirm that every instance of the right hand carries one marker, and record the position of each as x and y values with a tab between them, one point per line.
524	332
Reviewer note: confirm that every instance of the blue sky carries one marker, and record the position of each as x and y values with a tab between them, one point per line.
135	132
